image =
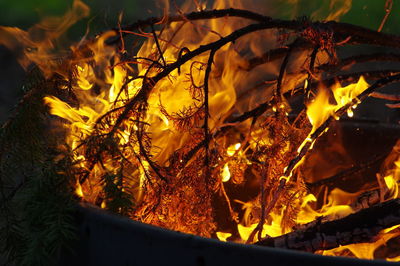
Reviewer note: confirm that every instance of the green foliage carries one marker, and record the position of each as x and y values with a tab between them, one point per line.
36	194
37	178
118	199
48	217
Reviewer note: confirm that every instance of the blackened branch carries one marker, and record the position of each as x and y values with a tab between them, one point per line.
313	57
207	112
158	45
385	96
357	59
353	77
277	53
283	70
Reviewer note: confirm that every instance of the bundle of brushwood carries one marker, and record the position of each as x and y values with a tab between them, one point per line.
214	115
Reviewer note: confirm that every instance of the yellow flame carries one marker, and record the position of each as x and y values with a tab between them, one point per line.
223	236
232	149
319	110
392	180
367	250
336	207
226	174
37	44
78	190
394	259
83	76
272	229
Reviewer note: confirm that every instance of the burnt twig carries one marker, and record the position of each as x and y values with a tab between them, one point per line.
390	57
158	45
388	9
313	57
282	70
385	96
277	53
207	112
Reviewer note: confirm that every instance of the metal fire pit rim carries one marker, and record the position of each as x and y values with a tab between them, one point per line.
108	238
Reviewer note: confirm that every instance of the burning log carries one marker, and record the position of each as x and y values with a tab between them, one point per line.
359	227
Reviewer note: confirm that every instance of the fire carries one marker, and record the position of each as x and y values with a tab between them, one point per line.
320	109
143	129
78	190
367	250
226	174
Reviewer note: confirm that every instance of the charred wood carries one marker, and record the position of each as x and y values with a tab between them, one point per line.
360	227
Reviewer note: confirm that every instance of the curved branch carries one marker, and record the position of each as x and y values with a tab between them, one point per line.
342	31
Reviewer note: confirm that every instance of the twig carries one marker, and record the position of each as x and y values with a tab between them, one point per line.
274	54
354	77
388	9
158	45
391	57
228	202
282	70
147	157
385	96
260	224
313	56
207	113
393	105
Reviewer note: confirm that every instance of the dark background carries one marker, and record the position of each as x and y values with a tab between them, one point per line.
104	15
